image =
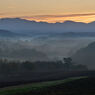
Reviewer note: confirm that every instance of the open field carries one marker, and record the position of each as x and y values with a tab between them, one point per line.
35	87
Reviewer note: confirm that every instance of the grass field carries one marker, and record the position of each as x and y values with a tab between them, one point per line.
34	87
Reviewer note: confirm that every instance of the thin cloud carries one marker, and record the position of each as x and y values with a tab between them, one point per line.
58	16
2	13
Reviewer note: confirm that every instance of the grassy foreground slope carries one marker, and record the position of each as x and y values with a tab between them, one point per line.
42	88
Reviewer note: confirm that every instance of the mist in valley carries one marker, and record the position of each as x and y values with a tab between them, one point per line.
36	49
39	51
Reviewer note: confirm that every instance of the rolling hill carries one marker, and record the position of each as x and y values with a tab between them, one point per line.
86	56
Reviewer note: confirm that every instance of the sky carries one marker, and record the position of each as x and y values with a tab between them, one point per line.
49	10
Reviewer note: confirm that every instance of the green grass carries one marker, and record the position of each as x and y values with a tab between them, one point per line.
17	90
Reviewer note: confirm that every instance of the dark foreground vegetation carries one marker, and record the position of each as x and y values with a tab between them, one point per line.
42	78
70	86
16	72
84	86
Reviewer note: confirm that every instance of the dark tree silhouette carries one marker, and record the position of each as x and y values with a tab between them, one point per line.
68	64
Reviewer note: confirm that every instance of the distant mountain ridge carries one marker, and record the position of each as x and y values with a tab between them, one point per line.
26	26
6	33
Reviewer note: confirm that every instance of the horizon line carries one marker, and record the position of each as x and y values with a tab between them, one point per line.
78	17
46	21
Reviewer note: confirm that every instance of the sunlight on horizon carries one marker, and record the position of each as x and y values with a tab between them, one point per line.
49	10
85	19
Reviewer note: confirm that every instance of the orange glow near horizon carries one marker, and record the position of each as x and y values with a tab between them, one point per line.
57	18
49	10
84	19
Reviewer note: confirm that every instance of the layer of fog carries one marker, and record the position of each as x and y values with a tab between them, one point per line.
41	48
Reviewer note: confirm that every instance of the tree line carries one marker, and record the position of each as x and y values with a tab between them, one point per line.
11	67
